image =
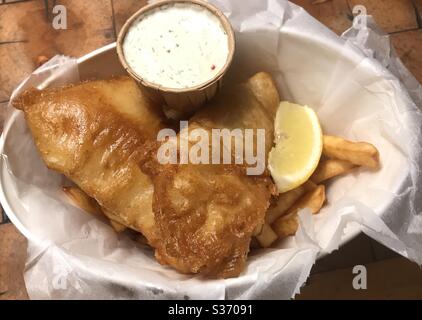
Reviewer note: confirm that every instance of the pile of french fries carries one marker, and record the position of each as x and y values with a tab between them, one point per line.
339	157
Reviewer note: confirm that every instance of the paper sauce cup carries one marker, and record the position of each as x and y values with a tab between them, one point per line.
186	100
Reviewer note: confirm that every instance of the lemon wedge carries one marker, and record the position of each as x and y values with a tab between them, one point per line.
298	146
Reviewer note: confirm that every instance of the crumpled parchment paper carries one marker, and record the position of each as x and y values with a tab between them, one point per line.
360	90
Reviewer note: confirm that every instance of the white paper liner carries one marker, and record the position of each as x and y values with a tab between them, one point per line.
366	95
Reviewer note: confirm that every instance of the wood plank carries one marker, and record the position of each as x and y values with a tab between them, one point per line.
11	16
90	26
336	15
409	48
381	252
16	65
12	263
3	112
389	279
418	7
12	1
390	15
357	251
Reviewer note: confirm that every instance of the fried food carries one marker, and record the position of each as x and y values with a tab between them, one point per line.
313	200
94	133
283	203
199	218
207	214
82	201
286	200
328	169
267	236
287	225
344	156
358	153
102	134
251	105
118	227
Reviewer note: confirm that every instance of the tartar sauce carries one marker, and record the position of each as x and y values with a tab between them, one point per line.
177	46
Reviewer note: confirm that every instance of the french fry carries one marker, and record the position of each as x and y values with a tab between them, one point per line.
343	156
257	230
118	227
314	200
358	153
267	236
310	185
286	200
331	168
82	201
286	225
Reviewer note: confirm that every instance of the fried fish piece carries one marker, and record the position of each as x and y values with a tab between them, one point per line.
82	201
94	133
207	213
102	136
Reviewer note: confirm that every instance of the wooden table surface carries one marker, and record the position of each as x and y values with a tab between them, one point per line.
27	39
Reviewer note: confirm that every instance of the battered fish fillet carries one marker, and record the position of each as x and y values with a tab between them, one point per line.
94	133
102	136
206	214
